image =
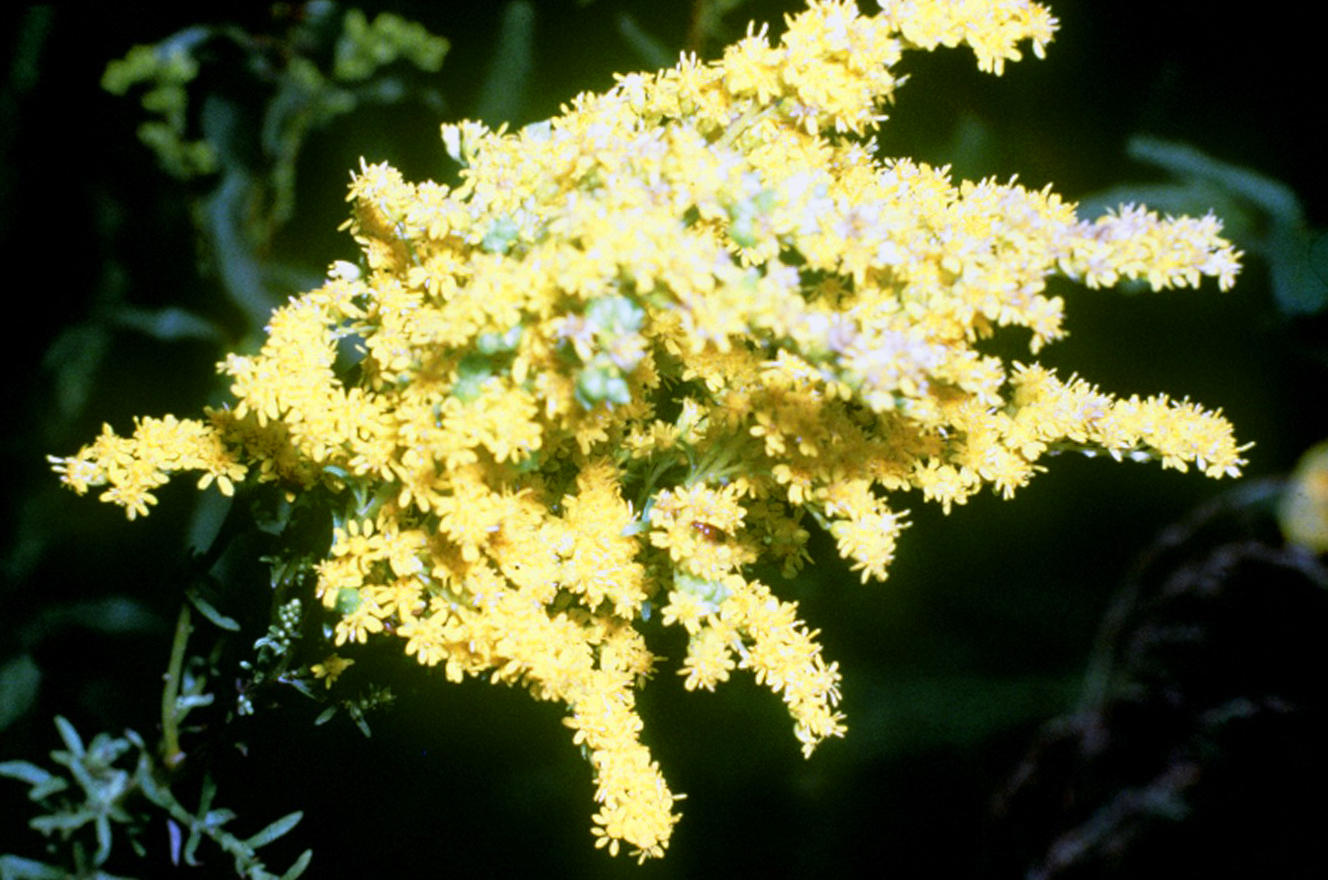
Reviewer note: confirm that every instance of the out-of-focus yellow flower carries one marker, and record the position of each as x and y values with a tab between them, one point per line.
1303	510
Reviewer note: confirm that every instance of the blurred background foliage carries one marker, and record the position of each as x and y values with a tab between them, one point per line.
1084	681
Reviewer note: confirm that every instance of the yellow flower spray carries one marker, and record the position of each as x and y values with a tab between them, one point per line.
622	362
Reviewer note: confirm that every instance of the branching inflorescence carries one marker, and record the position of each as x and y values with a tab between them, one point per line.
617	366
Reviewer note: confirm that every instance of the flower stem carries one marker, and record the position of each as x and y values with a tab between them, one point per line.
170	695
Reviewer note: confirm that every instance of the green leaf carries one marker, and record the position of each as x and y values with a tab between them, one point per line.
207	794
73	741
66	823
300	685
103	826
15	868
196	827
650	49
169	324
277	829
300	864
508	80
22	770
54	785
217	818
73	359
337	471
191	701
19	680
205	608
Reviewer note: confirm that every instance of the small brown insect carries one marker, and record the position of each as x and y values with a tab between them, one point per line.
712	532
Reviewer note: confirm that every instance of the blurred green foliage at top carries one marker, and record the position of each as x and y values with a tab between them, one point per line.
303	95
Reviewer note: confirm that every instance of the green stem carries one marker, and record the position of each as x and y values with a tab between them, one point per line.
161	796
170	695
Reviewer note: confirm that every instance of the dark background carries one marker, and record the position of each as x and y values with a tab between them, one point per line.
983	632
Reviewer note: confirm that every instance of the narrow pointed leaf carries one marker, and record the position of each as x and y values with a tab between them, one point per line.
275	830
300	865
73	741
205	608
22	770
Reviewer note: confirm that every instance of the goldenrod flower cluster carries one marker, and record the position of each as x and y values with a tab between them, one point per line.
609	376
